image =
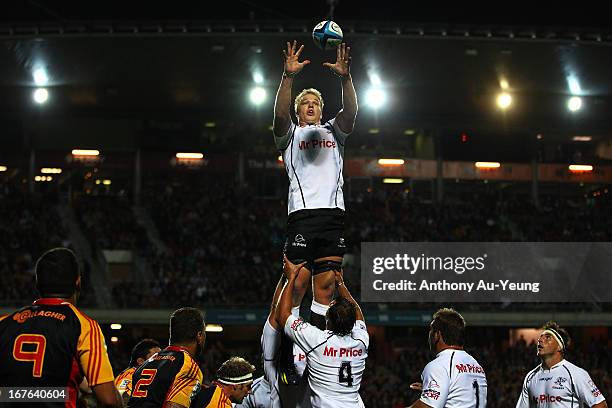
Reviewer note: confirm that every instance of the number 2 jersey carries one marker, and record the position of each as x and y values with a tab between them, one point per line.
454	379
52	344
335	364
170	375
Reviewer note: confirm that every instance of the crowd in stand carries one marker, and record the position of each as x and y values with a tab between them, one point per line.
224	245
29	226
108	223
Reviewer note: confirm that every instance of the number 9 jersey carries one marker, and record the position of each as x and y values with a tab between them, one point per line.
52	344
335	363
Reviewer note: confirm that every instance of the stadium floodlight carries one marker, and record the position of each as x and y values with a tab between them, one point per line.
210	125
3	168
375	97
504	100
487	165
390	162
582	138
574	103
41	95
580	168
40	77
107	182
279	158
37	178
214	328
115	326
51	170
84	152
114	339
573	84
189	156
393	181
258	77
257	95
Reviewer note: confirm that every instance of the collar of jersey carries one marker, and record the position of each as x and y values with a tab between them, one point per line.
178	348
555	366
449	349
49	301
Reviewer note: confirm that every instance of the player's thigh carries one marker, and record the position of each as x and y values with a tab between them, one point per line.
323	277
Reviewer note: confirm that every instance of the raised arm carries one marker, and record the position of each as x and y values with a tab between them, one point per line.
344	292
347	115
282	104
277	292
286	300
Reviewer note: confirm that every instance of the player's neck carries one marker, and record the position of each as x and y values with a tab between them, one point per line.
71	299
191	348
551	361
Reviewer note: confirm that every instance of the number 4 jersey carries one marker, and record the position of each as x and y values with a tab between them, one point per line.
52	344
454	379
335	363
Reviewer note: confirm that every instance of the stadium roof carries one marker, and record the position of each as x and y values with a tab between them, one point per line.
441	66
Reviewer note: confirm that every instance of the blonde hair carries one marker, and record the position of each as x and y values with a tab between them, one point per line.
300	96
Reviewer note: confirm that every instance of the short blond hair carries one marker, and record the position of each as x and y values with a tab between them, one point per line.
300	96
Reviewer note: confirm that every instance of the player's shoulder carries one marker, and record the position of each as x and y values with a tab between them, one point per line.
298	324
533	373
574	369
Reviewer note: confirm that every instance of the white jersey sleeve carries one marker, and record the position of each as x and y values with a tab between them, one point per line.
587	391
361	333
283	140
523	401
338	133
303	334
436	384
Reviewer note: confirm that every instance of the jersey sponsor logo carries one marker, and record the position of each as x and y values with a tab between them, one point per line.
594	390
433	384
342	352
299	357
317	144
546	399
297	324
21	317
157	357
559	383
545	379
299	241
431	394
469	368
196	389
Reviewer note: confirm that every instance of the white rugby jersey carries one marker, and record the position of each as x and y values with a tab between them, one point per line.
565	385
297	396
314	157
335	364
259	396
454	379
